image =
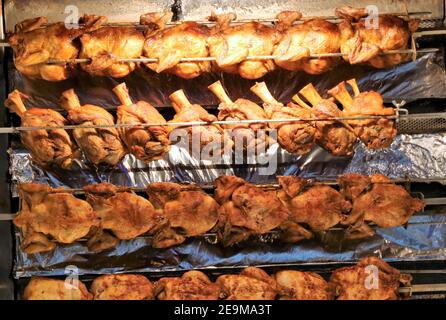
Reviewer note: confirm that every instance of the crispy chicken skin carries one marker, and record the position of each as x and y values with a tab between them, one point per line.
188	212
251	284
33	44
169	45
51	289
232	44
100	145
245	209
106	44
370	279
192	285
298	285
122	287
146	144
364	44
52	213
47	147
298	42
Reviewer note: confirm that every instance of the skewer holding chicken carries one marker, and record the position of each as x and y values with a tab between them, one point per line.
295	137
170	45
211	139
250	137
47	147
100	145
375	133
337	137
232	44
146	144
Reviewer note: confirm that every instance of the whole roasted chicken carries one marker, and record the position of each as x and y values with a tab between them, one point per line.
245	209
337	137
189	212
51	289
47	147
250	137
122	287
204	141
48	214
374	133
170	45
231	45
100	145
106	45
296	137
298	285
148	143
300	41
364	42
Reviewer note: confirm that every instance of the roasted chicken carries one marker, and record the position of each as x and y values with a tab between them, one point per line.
295	137
298	285
203	141
374	133
319	206
245	209
300	41
170	45
192	285
231	45
146	144
189	212
105	45
100	145
251	284
53	146
122	287
34	44
48	214
51	289
337	137
364	43
370	279
250	137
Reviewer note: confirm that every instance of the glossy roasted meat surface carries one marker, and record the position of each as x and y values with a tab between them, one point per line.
298	285
122	287
51	289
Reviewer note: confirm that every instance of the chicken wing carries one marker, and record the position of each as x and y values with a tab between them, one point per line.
51	289
100	145
188	212
105	45
245	209
122	287
170	45
295	137
370	279
52	213
192	285
53	146
251	284
232	44
298	42
146	144
298	285
374	133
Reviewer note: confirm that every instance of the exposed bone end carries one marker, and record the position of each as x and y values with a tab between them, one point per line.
122	93
261	90
341	94
310	93
179	101
157	19
69	100
300	102
354	85
15	103
220	92
287	18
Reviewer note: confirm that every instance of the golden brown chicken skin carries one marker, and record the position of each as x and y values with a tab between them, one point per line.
51	289
298	285
122	287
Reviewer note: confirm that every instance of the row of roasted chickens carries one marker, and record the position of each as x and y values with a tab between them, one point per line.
347	283
297	210
35	42
108	145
